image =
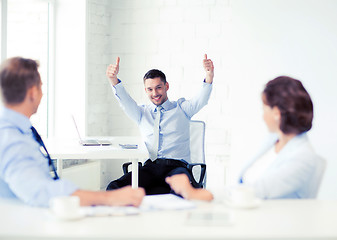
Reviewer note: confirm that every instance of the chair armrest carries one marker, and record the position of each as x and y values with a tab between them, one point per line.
125	166
197	184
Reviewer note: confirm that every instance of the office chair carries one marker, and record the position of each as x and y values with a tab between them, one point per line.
197	167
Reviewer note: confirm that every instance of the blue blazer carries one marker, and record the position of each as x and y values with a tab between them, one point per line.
296	172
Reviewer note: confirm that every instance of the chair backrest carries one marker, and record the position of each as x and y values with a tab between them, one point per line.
317	177
197	145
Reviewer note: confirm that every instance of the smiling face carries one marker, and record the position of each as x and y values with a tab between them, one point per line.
156	90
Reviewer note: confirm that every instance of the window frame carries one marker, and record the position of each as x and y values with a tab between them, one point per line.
50	94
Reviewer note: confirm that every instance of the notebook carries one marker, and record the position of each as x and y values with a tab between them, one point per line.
90	142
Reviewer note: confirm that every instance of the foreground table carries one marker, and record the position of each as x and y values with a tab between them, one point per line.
274	219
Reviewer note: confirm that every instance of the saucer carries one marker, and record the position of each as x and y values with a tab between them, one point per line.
253	204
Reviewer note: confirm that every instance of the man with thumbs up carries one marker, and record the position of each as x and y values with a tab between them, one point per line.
164	125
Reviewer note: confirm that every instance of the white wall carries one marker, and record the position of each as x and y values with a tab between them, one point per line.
295	38
99	49
250	43
70	66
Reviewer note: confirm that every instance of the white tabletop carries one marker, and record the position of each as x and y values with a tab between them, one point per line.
274	219
71	149
61	149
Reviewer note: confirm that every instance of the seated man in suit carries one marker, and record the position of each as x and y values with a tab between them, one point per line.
24	160
164	125
287	166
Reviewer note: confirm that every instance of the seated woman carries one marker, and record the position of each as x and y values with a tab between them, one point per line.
287	166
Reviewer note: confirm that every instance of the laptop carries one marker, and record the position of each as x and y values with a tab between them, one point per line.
90	142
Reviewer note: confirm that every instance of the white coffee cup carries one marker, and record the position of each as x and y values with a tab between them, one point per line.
242	195
65	207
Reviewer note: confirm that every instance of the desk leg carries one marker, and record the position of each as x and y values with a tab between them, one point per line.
134	176
59	167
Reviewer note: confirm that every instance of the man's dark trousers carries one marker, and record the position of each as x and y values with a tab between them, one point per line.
152	176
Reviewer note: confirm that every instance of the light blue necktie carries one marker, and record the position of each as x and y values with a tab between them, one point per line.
154	150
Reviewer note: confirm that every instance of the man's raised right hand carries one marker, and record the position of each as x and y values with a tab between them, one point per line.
112	71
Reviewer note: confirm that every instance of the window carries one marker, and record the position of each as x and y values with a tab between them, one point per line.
26	32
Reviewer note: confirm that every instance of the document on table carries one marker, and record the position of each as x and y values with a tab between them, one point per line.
165	202
149	203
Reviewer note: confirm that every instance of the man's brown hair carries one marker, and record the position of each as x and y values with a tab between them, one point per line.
154	73
17	75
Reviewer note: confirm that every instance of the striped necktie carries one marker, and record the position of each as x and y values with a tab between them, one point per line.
154	150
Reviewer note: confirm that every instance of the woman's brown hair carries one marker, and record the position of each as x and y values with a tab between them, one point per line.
294	102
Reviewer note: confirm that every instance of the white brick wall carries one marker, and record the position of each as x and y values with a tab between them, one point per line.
98	51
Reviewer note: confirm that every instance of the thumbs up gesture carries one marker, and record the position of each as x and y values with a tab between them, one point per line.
209	68
112	71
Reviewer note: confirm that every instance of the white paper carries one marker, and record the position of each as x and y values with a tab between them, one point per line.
165	202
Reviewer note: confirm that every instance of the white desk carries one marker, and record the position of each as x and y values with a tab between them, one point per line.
71	149
274	219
